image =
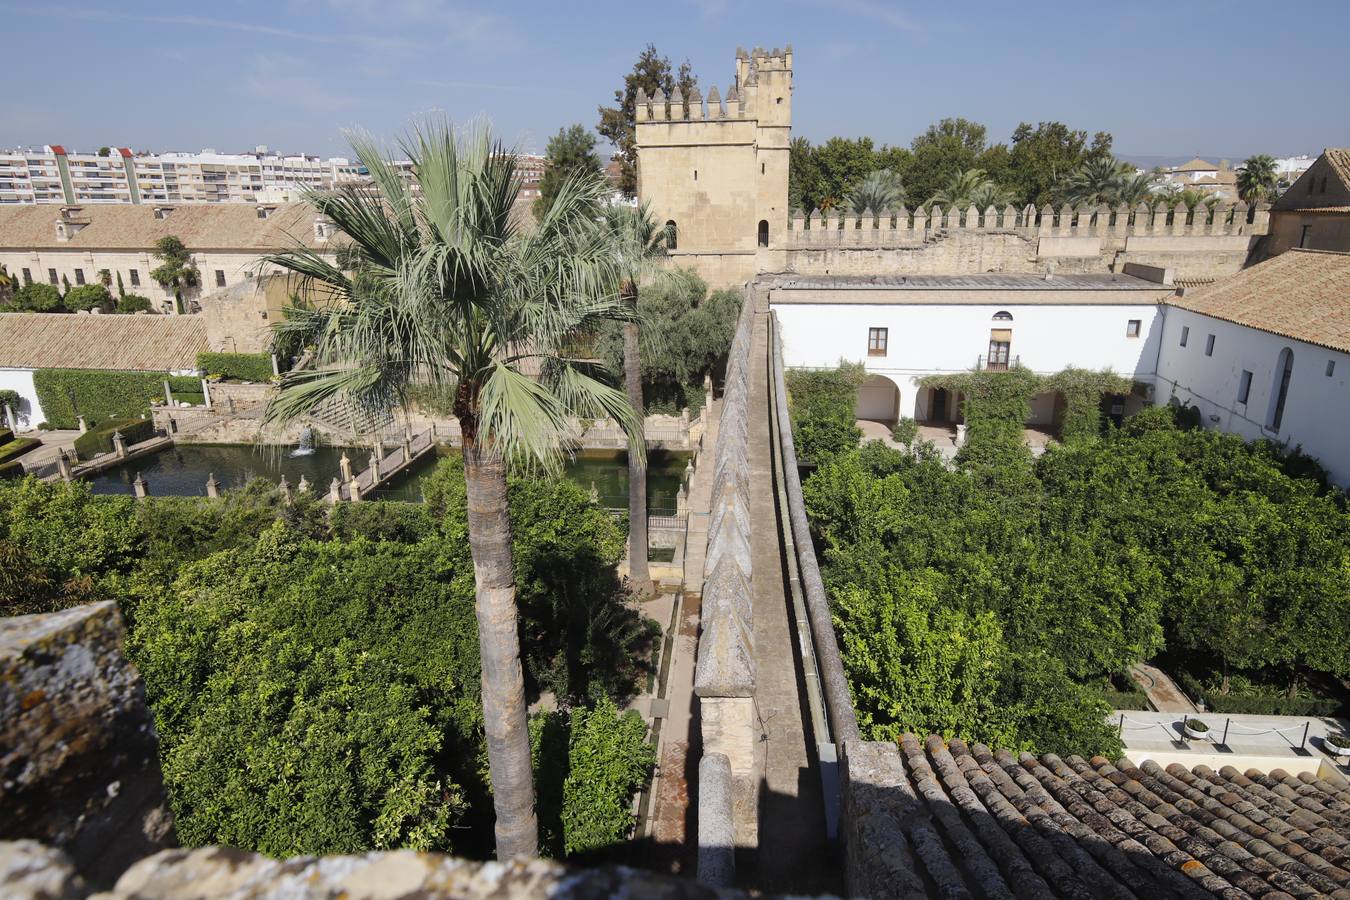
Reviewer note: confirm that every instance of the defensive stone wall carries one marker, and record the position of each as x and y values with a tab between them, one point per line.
1198	245
724	677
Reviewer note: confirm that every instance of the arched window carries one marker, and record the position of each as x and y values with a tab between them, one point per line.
671	234
1284	371
764	232
1002	316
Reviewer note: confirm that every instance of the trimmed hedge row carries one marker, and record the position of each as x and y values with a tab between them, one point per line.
1259	706
237	366
100	440
1134	700
65	394
10	467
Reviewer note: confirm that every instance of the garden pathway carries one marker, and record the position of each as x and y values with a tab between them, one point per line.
1162	691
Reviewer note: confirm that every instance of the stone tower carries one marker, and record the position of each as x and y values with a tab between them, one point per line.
721	174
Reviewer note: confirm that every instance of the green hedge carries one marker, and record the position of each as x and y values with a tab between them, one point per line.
10	467
185	384
65	394
236	366
99	440
1126	700
5	436
1266	705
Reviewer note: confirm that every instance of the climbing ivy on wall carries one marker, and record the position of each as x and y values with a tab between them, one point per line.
66	394
1083	390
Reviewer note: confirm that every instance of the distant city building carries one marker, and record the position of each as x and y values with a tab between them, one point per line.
54	175
1203	176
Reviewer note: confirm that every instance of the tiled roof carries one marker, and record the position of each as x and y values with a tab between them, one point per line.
1339	159
71	341
993	824
1300	294
214	226
1197	165
993	281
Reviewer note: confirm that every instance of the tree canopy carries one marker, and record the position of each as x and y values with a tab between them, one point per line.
571	153
618	123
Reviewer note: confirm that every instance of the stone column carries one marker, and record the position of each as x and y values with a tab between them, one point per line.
206	392
407	447
355	488
285	487
83	425
960	435
335	491
276	369
303	486
63	464
212	486
140	487
119	445
345	467
168	394
11	418
375	468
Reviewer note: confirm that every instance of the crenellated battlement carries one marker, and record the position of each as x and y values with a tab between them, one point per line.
678	108
905	227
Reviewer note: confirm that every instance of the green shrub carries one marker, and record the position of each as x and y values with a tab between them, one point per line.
134	303
65	394
1254	698
16	447
87	297
822	404
590	763
100	439
905	431
236	366
5	436
1126	700
185	384
37	297
9	398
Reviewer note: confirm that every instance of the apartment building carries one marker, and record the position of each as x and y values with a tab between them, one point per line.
53	175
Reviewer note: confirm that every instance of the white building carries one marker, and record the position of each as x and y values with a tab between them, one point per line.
903	328
1264	354
53	175
75	244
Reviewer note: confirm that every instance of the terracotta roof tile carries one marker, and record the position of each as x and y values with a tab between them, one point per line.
221	226
1300	294
1339	159
990	824
73	341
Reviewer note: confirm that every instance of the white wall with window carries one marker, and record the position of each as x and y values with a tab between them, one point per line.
1259	385
905	342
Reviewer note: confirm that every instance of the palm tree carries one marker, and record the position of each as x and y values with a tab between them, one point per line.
880	191
638	245
1136	189
962	189
1097	181
443	291
990	194
1256	181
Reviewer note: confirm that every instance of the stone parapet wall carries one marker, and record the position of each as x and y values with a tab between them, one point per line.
30	871
79	758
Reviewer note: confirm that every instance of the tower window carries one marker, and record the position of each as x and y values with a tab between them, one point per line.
1132	327
764	232
1244	386
1284	371
1185	334
761	168
877	339
1331	366
671	235
696	174
1003	316
1209	345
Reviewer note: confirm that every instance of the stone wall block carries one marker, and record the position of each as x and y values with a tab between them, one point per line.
79	757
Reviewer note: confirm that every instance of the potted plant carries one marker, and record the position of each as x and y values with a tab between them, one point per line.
1338	745
1195	729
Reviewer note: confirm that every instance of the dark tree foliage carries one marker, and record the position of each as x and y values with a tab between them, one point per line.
1043	155
686	334
989	604
618	123
570	152
822	403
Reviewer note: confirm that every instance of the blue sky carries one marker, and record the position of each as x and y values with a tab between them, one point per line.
1166	78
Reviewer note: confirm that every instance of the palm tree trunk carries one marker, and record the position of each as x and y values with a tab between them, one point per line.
504	714
638	571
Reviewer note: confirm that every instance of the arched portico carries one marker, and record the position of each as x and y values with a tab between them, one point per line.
878	400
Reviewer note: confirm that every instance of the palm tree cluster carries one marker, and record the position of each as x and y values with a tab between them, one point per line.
879	191
972	187
443	291
1105	181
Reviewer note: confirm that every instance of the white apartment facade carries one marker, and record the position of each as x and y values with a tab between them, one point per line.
53	175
